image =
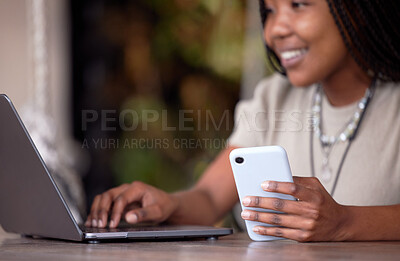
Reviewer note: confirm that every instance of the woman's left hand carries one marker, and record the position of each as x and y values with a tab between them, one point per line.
314	217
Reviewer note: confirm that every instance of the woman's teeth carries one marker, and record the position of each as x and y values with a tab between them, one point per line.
293	53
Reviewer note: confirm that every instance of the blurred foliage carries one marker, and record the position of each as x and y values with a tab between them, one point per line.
176	55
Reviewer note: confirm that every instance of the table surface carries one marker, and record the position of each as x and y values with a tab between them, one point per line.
233	247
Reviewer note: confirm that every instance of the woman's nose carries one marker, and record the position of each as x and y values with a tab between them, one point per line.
279	26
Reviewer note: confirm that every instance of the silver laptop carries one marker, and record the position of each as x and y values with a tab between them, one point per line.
32	205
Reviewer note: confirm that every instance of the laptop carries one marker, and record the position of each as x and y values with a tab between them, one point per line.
32	205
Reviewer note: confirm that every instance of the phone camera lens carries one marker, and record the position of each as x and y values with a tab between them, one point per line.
239	160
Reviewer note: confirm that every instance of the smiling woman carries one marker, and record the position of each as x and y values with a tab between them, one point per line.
347	165
317	44
308	45
372	46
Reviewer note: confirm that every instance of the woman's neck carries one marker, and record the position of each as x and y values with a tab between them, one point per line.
346	87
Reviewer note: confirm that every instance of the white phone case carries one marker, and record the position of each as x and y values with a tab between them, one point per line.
259	164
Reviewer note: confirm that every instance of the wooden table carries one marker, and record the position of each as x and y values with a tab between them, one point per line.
233	247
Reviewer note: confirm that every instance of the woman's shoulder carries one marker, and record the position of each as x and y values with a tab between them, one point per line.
387	97
254	117
276	92
273	83
389	87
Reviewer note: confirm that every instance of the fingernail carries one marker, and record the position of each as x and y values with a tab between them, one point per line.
245	214
246	201
94	223
87	223
256	229
265	185
112	223
131	218
100	223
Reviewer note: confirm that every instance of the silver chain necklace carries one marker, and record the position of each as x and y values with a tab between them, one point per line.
346	134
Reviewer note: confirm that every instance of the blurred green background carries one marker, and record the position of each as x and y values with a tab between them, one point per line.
194	47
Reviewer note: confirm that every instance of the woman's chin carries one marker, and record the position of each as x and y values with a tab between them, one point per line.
299	79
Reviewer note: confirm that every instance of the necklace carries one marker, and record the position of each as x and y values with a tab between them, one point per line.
345	134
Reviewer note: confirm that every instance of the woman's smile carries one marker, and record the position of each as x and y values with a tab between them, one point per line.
291	57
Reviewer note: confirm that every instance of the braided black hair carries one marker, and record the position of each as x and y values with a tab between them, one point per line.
369	28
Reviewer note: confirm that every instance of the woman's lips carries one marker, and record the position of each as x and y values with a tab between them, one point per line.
292	57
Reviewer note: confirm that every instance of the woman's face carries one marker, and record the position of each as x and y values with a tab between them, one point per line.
306	39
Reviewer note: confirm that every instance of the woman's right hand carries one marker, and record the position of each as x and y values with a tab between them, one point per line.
137	201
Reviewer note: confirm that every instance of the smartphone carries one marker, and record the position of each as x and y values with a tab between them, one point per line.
251	167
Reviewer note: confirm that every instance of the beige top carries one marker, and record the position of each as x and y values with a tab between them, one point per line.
280	114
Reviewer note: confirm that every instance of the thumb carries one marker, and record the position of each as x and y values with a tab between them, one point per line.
149	213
